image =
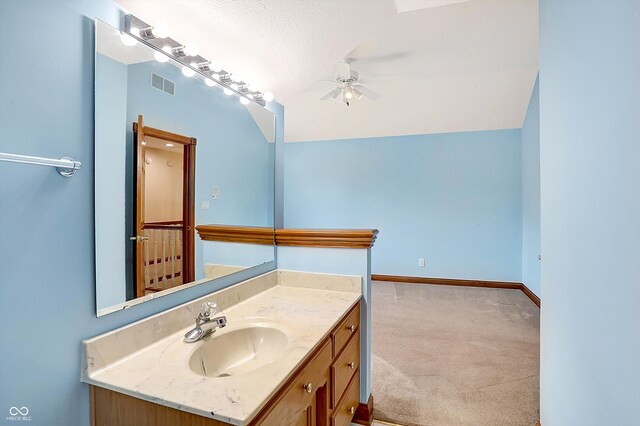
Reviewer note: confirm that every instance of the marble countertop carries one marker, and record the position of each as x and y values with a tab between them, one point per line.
159	372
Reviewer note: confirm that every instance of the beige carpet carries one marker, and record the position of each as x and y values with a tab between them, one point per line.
454	356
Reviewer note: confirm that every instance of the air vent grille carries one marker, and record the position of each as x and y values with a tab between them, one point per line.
161	83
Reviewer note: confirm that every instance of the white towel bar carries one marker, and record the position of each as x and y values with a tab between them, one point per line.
66	166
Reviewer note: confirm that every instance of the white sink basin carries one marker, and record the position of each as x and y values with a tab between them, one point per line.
238	351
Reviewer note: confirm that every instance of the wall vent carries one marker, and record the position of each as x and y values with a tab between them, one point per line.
161	83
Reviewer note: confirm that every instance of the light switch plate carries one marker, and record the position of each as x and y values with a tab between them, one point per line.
215	192
205	205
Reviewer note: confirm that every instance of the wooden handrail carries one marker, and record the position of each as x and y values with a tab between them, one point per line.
237	234
176	224
335	238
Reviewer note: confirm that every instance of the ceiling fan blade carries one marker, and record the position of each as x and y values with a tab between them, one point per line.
368	93
344	69
332	94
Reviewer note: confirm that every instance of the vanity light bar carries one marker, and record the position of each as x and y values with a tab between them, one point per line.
152	37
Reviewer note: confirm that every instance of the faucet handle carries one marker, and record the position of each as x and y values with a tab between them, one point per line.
208	309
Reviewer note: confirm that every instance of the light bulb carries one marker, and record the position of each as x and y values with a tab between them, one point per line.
161	57
215	66
348	93
209	82
216	77
268	96
228	92
188	72
168	145
127	40
160	30
234	86
191	50
244	101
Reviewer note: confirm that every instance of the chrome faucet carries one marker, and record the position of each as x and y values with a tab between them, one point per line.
205	319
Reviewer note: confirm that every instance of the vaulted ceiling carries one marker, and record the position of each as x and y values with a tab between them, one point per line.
440	65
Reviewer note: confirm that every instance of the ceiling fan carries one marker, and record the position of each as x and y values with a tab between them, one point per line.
348	87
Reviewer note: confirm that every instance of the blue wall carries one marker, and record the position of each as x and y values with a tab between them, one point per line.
453	199
47	296
531	194
590	233
346	262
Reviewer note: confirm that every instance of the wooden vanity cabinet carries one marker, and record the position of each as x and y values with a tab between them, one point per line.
324	391
303	399
333	373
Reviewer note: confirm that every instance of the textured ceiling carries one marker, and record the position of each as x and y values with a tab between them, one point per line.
441	65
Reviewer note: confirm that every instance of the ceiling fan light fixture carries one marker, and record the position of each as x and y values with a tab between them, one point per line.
347	93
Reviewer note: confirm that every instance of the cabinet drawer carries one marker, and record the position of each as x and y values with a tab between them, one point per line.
347	328
343	369
343	414
296	398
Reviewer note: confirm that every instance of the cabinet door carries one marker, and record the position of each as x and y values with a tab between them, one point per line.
305	400
307	417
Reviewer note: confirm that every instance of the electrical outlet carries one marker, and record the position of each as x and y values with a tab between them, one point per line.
421	263
205	205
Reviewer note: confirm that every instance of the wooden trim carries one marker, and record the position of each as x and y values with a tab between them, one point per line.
92	405
168	136
531	295
459	282
446	281
337	238
189	211
340	238
138	136
237	234
364	413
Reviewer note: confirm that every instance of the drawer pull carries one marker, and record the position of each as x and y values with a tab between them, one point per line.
352	365
308	387
351	328
352	410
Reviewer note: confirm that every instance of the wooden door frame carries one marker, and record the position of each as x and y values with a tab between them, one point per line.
188	198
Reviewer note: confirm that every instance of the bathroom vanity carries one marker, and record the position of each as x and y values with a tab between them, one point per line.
289	355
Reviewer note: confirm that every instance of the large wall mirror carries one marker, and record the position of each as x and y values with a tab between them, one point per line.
172	154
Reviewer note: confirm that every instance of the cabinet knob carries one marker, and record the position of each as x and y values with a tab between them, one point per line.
352	328
352	365
352	410
308	387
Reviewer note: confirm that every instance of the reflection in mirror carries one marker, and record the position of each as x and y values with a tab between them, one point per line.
172	153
